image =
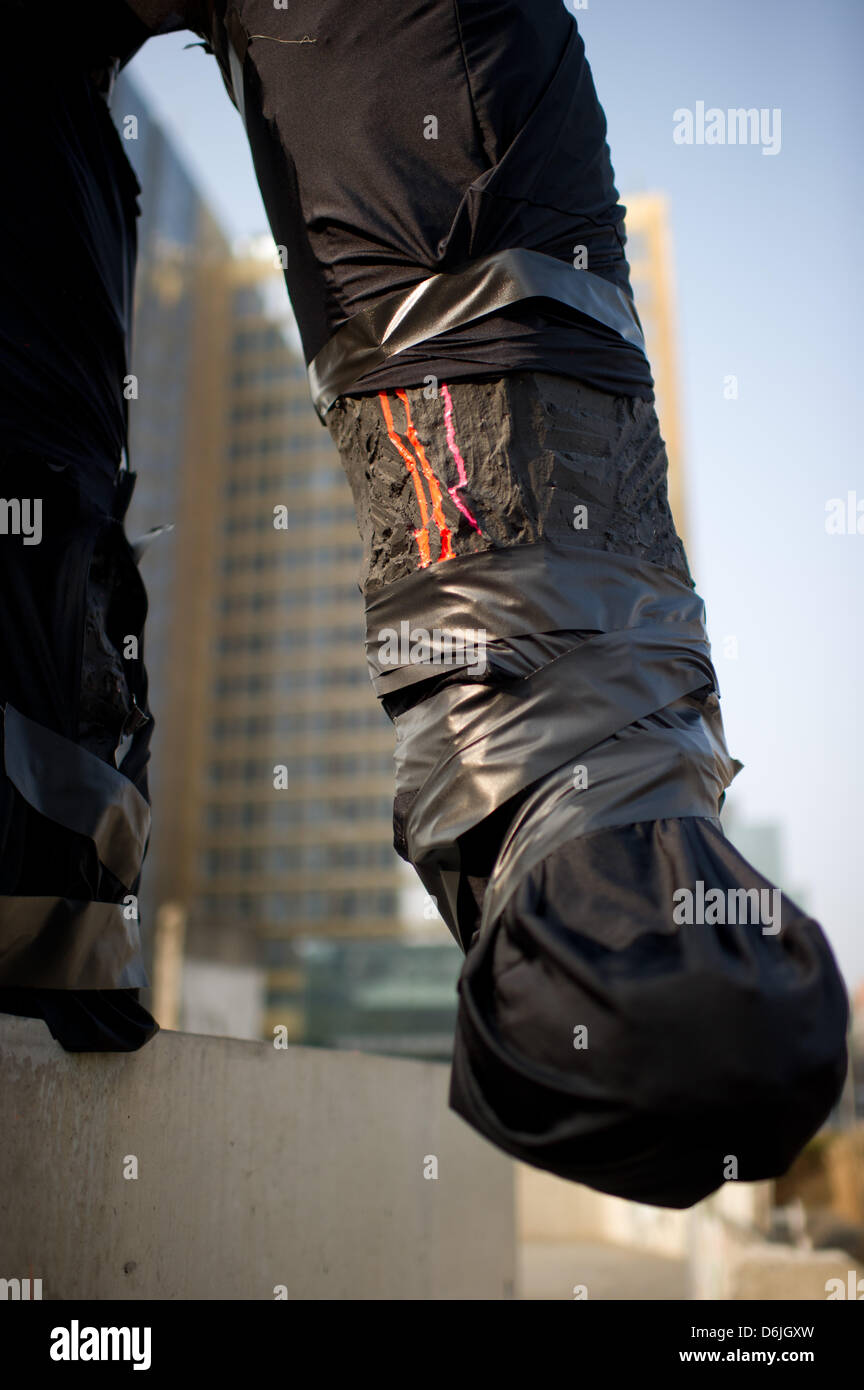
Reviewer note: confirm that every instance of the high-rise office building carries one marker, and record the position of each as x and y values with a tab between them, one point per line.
175	450
295	837
271	771
272	760
649	251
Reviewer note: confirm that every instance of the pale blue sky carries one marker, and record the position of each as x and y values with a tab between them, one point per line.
768	289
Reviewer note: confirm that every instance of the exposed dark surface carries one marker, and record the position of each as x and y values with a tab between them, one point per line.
535	446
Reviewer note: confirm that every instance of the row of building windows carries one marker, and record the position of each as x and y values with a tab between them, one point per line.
266	339
309	811
270	407
317	479
311	906
273	859
288	682
247	302
291	639
313	721
265	374
261	446
305	765
266	519
258	601
291	559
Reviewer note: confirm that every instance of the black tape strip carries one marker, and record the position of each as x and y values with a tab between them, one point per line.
452	300
470	748
671	765
77	790
61	943
521	591
594	658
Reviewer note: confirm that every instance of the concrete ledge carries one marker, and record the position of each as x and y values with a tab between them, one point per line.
256	1167
781	1275
731	1262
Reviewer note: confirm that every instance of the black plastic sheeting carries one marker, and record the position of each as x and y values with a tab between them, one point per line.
59	942
712	1052
74	789
704	1042
67	237
368	198
73	825
560	770
490	285
473	745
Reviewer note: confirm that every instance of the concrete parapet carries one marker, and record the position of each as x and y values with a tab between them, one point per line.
256	1168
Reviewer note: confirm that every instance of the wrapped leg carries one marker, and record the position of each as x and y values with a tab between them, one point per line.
73	824
560	767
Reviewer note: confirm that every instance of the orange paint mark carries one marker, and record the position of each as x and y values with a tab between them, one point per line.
421	535
434	485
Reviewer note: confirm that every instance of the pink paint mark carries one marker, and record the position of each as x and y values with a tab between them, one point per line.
454	449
